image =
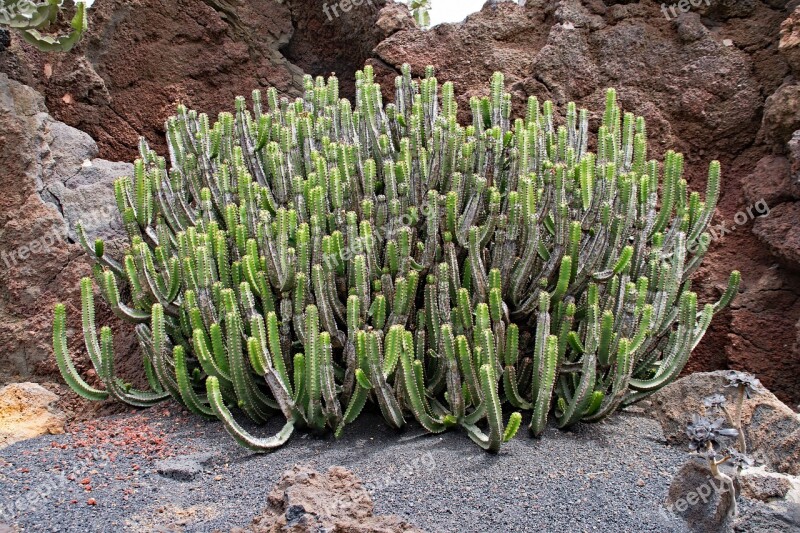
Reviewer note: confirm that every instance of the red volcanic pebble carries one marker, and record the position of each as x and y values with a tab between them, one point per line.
91	501
135	435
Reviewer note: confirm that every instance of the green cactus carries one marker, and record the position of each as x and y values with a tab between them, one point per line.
307	258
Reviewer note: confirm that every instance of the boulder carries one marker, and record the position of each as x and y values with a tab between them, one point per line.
771	428
305	500
393	18
783	517
766	502
703	502
28	410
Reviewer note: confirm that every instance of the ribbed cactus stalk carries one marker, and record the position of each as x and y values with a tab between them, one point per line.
309	259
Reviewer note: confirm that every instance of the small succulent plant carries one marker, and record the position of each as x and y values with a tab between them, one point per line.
715	403
747	383
706	433
738	460
32	17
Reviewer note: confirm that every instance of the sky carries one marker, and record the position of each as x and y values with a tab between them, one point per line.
453	10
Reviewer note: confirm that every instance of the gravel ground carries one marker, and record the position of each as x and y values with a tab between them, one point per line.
162	470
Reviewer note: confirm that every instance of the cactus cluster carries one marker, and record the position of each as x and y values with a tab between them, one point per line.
32	17
306	258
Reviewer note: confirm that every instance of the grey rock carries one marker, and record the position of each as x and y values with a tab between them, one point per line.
185	468
82	186
699	499
88	197
757	486
780	518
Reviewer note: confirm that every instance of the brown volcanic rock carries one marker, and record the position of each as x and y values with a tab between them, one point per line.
305	500
700	94
782	115
780	231
51	177
771	182
764	487
142	57
323	42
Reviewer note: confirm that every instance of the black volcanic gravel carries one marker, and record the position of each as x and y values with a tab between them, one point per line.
161	470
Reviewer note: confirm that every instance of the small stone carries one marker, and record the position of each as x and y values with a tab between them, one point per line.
181	469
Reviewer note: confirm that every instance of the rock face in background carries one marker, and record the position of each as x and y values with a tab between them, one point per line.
717	82
51	178
122	81
713	84
140	58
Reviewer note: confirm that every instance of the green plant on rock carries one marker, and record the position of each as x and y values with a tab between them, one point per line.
305	258
421	11
32	17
